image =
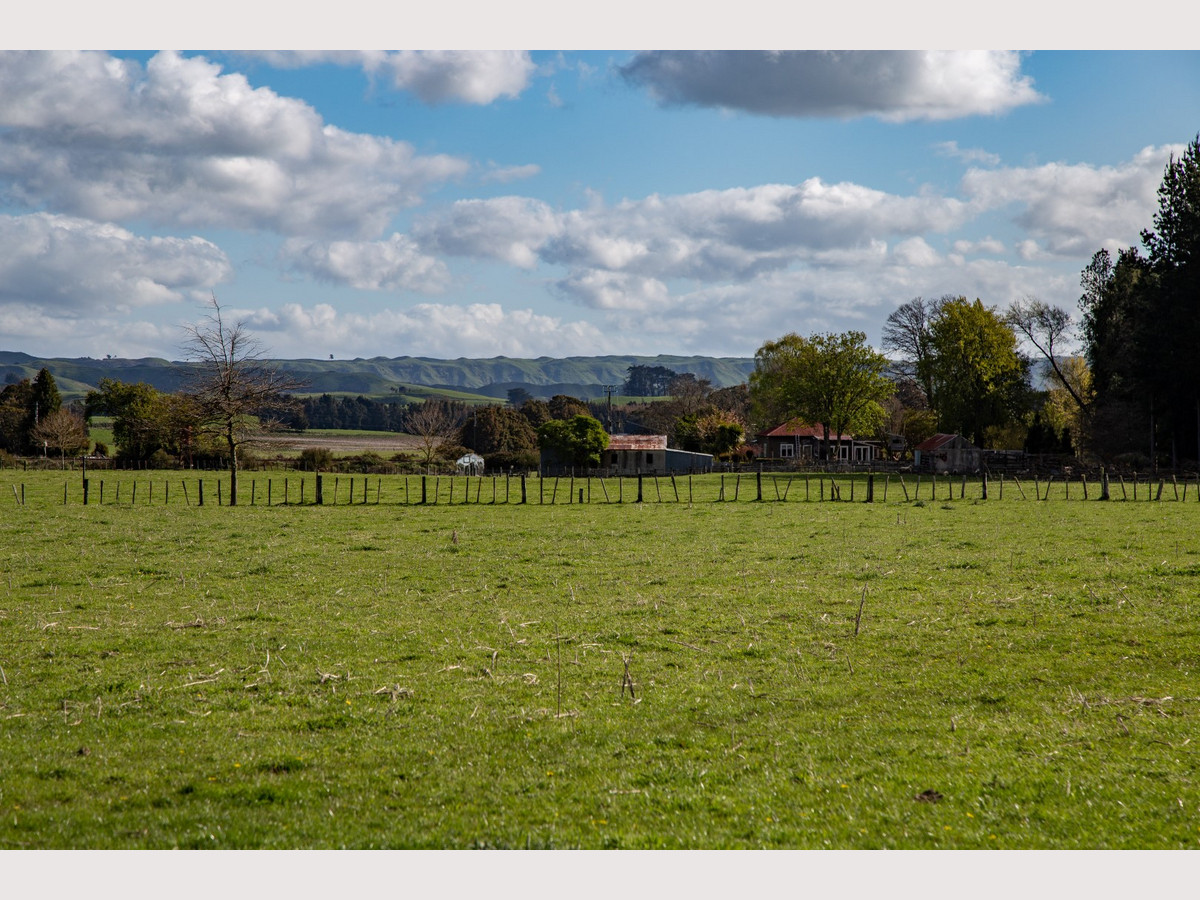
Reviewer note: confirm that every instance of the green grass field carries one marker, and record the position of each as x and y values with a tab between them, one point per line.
941	674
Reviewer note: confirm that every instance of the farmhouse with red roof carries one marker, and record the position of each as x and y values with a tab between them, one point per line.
798	440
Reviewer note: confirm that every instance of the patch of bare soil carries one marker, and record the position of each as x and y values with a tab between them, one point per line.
386	443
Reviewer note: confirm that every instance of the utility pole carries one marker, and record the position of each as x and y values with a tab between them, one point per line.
608	392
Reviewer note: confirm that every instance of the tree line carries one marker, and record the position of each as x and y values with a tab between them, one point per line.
958	366
1141	331
33	420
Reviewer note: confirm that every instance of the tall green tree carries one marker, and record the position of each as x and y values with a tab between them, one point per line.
1171	343
497	429
979	378
647	381
835	380
1141	327
16	403
23	406
564	406
145	420
577	441
45	397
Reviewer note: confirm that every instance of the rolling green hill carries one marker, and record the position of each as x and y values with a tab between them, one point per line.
381	377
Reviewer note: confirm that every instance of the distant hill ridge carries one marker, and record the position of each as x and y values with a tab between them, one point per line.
381	375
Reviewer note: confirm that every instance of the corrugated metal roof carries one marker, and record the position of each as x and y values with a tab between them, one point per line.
637	442
938	440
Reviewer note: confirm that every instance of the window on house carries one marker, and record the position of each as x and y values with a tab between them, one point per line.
787	450
649	459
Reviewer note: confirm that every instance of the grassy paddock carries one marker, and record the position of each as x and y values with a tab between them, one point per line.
938	674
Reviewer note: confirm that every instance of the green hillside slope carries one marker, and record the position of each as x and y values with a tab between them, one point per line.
381	376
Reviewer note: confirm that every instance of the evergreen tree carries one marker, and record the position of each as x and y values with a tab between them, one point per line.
1141	327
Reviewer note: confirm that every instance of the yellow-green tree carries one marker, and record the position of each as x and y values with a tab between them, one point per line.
979	378
834	380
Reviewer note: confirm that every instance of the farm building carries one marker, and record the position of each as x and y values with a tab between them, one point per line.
946	453
797	440
631	454
628	454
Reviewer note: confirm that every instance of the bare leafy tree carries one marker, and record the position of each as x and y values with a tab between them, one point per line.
689	392
434	422
909	333
64	431
235	385
1044	327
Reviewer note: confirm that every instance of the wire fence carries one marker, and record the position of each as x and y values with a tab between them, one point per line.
322	489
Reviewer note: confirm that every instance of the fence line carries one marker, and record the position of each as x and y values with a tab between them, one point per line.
196	489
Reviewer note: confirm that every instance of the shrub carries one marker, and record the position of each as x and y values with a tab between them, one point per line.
7	460
370	461
161	459
315	458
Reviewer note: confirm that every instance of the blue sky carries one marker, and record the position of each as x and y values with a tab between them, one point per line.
471	203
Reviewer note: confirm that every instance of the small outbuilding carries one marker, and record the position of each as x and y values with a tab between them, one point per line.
946	453
629	454
470	464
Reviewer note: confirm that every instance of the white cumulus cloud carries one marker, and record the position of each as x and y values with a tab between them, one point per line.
434	76
712	236
512	229
898	86
70	264
178	143
394	264
428	329
1074	209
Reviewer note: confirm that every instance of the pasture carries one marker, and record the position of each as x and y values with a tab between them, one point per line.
945	673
